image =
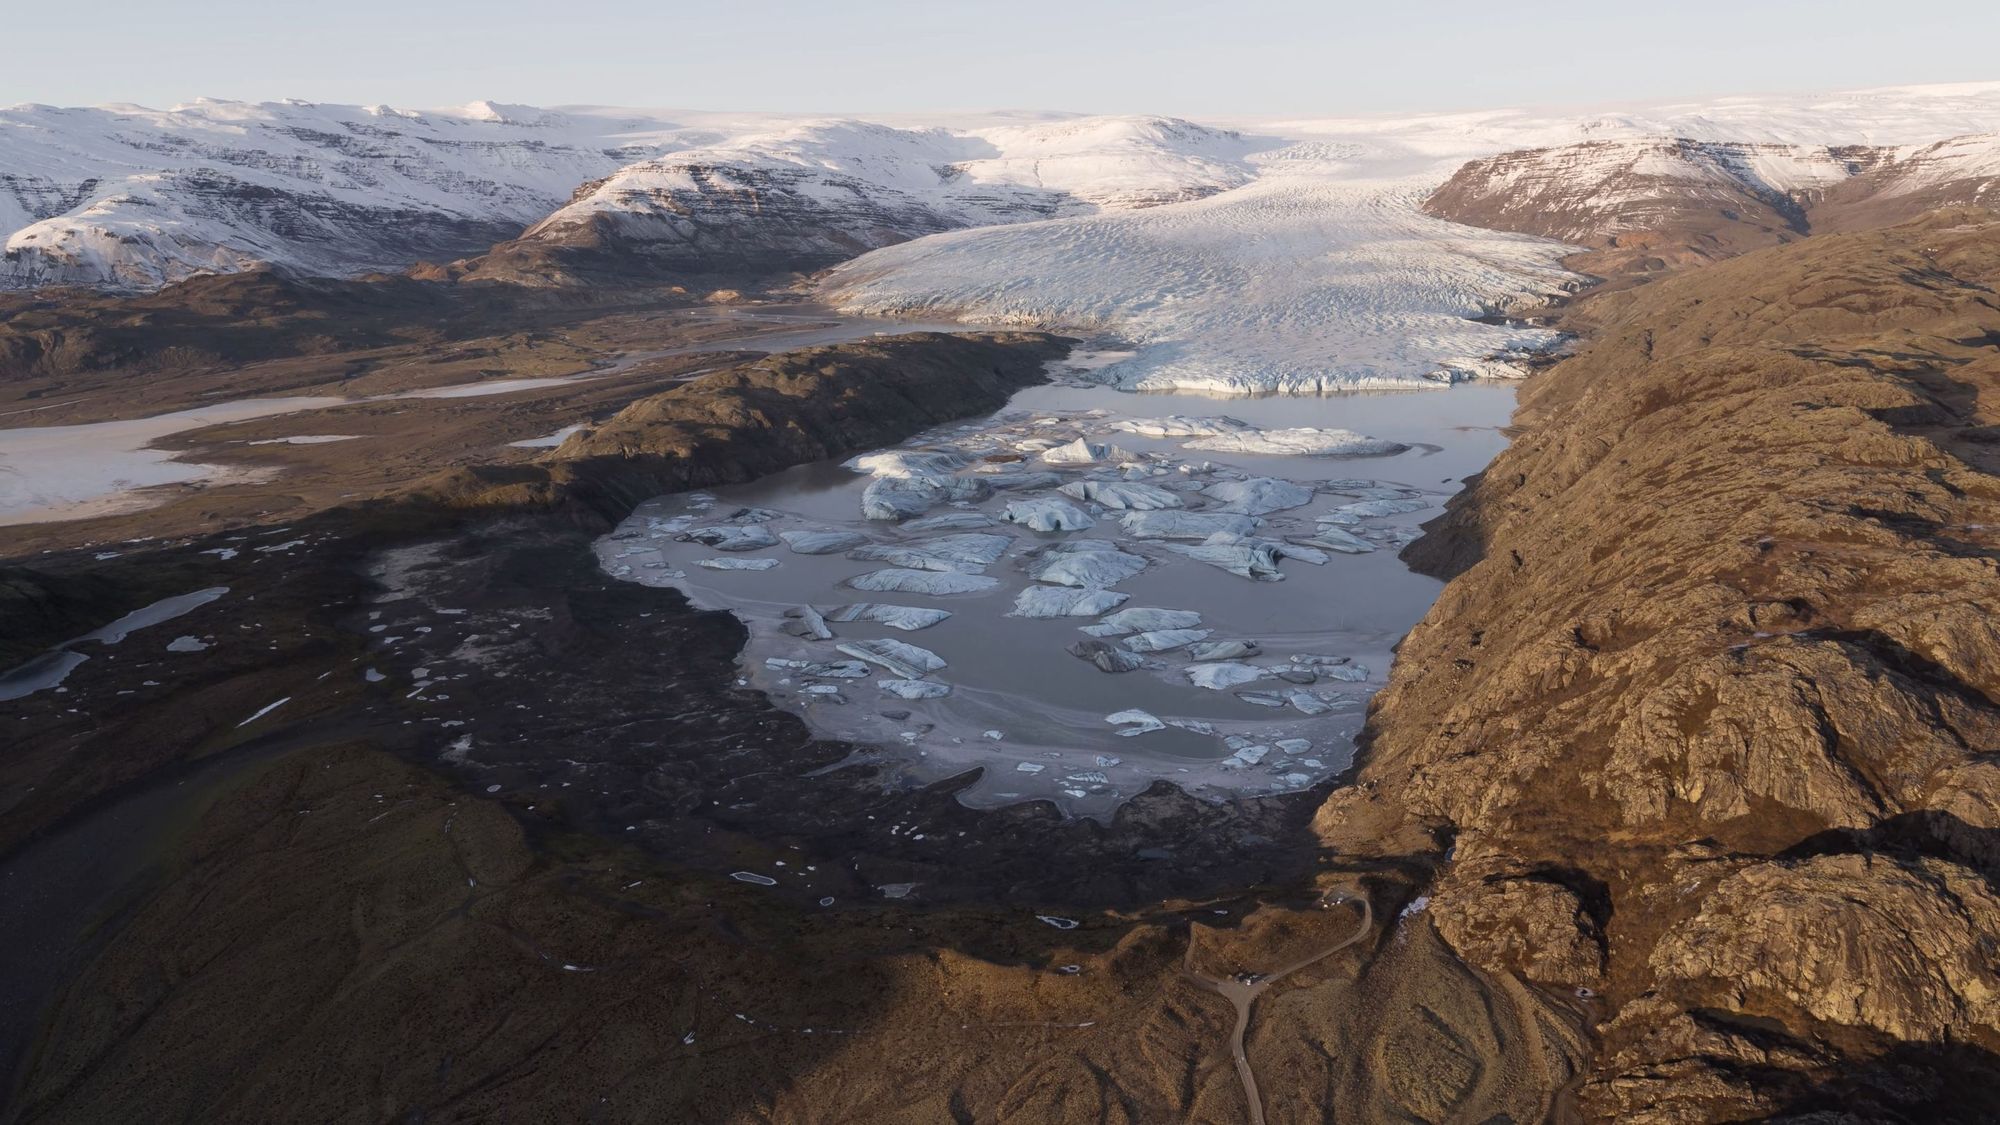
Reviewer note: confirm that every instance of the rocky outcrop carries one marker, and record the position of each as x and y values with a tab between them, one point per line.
748	421
1706	718
1642	208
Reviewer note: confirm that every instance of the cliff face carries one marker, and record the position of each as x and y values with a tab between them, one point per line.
1705	729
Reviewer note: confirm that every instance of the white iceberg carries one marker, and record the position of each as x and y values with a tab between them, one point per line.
1023	482
1373	509
1133	724
1083	452
737	564
1301	441
1179	425
951	521
908	618
1140	620
1258	496
1223	650
1162	640
967	553
822	542
1223	675
914	689
751	537
1047	515
1106	656
1185	525
933	582
1334	539
1095	563
901	657
1121	494
896	498
909	462
829	669
1065	601
805	621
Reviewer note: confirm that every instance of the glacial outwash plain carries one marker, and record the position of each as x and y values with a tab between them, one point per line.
584	614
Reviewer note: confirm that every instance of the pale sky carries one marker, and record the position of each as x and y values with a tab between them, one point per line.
1234	57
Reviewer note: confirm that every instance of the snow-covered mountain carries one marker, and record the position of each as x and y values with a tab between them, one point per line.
128	197
812	193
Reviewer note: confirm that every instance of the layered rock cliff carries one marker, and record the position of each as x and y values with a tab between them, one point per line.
1704	728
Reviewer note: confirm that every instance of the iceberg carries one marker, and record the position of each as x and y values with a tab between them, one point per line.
1134	723
1082	452
833	670
805	621
1106	656
1095	563
1258	496
1047	515
909	462
1223	650
1185	525
737	564
1118	494
1065	601
896	498
1140	620
1023	482
1179	425
1375	509
1302	441
1248	557
822	542
951	521
908	618
901	657
966	553
752	537
1334	539
1161	640
913	689
932	582
1224	675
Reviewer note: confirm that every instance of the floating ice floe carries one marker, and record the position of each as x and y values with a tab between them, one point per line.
1143	620
1258	496
951	521
186	644
753	877
1334	539
736	564
822	542
1248	557
1083	452
901	657
805	621
897	498
1186	525
1222	650
1163	640
1065	601
1316	702
828	669
1302	441
750	537
933	582
909	462
1348	514
1179	425
1047	515
966	553
1246	757
1134	723
914	689
908	618
1096	563
1106	656
1007	481
1121	494
1222	675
